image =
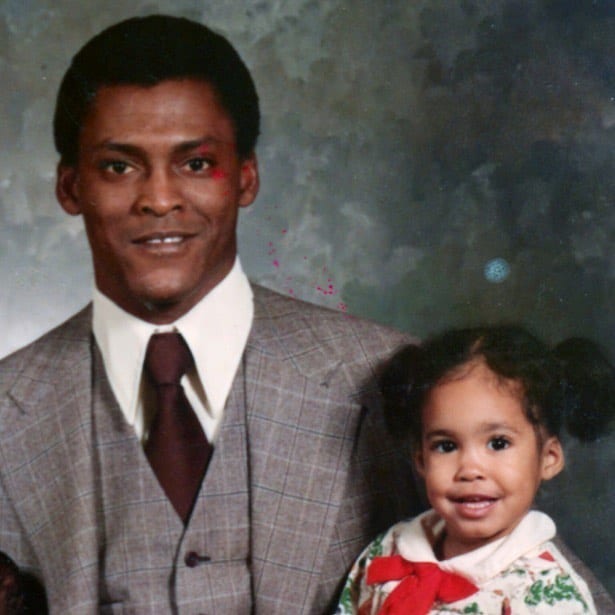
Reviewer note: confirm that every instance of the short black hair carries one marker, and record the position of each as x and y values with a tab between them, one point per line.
145	51
571	385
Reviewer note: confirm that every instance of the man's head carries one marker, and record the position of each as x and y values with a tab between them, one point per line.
156	124
148	50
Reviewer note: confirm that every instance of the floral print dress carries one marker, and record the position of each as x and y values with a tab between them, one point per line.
521	573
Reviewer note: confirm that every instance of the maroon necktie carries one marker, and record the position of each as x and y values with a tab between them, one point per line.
176	446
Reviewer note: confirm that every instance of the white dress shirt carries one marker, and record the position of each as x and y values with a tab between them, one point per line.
216	331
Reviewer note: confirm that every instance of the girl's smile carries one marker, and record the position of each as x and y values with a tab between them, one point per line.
474	506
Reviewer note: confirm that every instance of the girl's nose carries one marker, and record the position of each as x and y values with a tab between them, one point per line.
471	466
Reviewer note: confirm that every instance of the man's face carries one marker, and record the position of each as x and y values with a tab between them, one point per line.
159	184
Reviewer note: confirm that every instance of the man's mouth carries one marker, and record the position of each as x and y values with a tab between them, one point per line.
161	240
169	239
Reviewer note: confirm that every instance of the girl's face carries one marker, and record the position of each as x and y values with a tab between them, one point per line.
481	458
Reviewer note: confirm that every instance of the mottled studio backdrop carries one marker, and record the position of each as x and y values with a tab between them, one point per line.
424	163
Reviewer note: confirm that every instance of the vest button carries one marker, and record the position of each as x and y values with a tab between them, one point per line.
193	559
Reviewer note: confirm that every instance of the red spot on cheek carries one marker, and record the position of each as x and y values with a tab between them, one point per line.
218	174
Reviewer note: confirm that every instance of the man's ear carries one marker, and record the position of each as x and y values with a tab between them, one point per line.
67	189
249	180
552	458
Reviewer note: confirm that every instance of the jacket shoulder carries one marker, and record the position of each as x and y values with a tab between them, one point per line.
58	348
319	335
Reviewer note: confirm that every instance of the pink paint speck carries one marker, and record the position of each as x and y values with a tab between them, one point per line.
218	174
275	263
329	290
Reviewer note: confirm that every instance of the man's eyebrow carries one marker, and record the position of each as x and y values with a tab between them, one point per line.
122	148
204	142
135	150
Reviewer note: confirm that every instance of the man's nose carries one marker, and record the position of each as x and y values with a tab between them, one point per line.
471	465
159	193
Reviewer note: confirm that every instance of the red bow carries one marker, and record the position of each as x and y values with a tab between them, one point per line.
423	583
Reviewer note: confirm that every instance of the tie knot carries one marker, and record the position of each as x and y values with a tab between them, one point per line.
167	358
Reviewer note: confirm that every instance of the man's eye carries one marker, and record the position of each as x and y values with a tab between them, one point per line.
197	164
499	443
444	446
117	167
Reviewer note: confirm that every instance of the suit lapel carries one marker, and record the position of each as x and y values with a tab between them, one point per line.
47	459
301	425
301	434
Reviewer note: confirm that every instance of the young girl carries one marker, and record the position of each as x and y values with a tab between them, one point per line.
484	408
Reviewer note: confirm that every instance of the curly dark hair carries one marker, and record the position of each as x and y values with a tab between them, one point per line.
571	385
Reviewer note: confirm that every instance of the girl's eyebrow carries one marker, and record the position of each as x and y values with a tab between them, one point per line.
440	433
483	428
489	427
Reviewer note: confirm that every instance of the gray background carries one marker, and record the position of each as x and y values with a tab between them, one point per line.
406	145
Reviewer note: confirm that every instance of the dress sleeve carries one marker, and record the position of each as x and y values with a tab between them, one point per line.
357	595
554	590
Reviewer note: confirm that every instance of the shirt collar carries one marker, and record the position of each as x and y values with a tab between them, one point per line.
484	563
216	330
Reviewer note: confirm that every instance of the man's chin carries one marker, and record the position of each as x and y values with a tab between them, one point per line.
165	303
164	307
159	296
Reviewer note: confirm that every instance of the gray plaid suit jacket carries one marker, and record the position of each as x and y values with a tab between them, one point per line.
324	477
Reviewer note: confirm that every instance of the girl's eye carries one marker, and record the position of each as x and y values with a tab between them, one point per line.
197	164
499	443
444	446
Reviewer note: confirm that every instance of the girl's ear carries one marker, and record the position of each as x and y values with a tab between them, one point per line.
419	461
552	458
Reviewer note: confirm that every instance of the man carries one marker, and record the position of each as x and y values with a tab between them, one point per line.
156	124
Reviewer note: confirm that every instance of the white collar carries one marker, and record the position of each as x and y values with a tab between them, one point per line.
481	564
216	330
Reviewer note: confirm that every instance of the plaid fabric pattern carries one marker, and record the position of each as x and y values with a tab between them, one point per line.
303	424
